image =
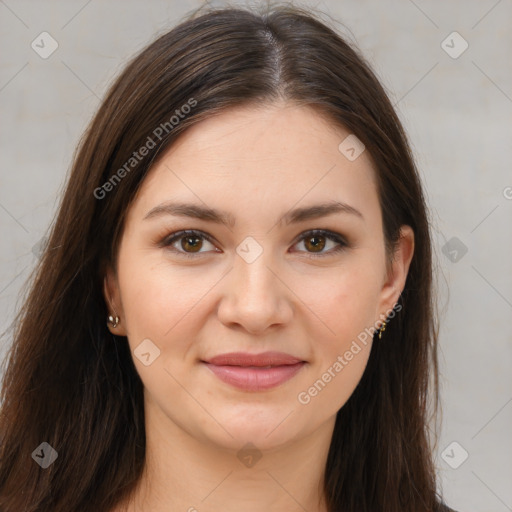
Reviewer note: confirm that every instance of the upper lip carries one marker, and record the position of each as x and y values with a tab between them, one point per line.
246	359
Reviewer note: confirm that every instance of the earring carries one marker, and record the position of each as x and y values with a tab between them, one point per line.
114	321
382	329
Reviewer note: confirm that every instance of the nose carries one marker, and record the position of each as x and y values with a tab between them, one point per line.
255	296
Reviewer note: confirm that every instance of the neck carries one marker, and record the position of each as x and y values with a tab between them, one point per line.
194	475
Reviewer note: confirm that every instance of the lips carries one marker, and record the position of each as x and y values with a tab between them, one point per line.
254	372
256	360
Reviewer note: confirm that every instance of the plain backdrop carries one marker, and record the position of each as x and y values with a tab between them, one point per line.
456	105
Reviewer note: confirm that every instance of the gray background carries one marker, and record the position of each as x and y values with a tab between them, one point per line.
457	112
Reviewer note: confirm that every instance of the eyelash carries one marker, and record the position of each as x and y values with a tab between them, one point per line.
335	237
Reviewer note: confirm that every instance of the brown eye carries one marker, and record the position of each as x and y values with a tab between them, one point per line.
314	243
190	242
317	240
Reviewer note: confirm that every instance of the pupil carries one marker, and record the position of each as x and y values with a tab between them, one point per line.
318	246
188	241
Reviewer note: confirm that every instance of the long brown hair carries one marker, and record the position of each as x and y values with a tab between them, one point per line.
70	383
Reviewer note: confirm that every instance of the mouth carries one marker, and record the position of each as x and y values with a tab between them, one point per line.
250	372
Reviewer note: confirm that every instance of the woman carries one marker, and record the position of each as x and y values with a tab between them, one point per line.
234	309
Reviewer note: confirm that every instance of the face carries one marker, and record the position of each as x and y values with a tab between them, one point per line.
262	281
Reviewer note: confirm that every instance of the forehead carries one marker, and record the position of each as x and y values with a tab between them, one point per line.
261	156
279	132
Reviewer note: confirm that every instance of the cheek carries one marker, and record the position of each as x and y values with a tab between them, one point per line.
160	300
343	302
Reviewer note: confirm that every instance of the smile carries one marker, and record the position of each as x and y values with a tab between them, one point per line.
255	378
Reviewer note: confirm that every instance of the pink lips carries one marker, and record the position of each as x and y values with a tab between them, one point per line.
250	372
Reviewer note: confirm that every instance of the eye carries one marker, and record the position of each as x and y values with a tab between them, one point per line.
189	240
315	241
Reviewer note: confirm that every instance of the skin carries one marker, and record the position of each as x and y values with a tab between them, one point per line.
257	164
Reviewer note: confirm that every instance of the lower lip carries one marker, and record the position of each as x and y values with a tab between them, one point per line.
252	379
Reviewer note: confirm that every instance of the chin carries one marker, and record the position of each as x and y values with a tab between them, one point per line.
267	432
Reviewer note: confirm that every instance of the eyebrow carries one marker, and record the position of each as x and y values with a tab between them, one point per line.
297	215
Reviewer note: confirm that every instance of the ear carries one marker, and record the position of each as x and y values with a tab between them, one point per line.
113	301
397	271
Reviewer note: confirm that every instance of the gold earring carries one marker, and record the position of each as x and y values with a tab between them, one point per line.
114	321
382	329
